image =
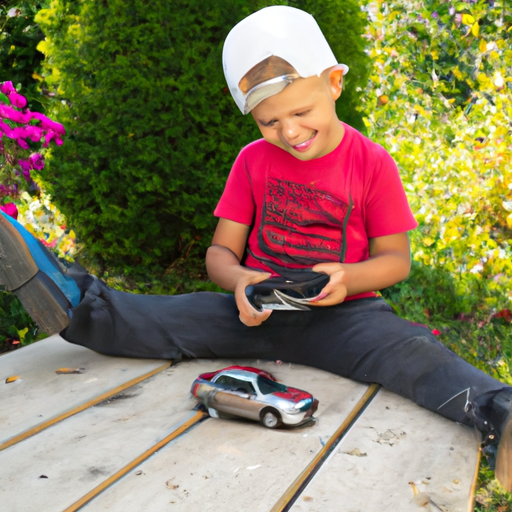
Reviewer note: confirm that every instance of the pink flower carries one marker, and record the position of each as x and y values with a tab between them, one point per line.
51	135
48	124
34	133
6	129
8	112
37	161
17	100
436	332
22	143
7	88
25	165
10	209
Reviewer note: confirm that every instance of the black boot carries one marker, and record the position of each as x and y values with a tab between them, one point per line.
43	300
491	413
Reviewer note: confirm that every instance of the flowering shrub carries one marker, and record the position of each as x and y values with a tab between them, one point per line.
45	221
440	100
24	135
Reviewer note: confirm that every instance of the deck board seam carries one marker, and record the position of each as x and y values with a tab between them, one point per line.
291	495
85	405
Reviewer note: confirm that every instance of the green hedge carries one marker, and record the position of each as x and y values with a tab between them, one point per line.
152	128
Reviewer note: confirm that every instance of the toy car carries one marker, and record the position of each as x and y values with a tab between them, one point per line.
254	394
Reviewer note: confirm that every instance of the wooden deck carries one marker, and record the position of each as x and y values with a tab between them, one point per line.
123	436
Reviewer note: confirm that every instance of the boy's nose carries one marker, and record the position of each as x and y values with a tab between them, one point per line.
290	130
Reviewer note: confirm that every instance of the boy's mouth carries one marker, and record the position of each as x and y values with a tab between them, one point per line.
304	146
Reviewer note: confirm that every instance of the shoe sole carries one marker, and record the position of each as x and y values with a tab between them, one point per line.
45	303
17	266
503	471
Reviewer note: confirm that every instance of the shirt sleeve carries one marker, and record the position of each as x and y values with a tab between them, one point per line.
387	208
237	202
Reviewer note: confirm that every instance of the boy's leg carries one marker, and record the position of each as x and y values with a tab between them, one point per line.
364	340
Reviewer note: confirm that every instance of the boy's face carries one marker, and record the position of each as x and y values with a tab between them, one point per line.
301	119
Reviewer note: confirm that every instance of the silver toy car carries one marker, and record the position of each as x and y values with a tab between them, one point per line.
254	394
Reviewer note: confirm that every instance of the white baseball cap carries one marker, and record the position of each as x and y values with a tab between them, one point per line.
279	31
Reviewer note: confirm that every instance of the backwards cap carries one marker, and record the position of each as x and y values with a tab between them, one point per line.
279	31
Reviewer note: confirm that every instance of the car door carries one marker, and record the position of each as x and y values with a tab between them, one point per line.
238	397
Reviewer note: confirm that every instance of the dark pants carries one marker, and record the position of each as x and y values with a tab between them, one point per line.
361	339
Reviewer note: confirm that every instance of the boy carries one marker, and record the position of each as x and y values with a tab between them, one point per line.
313	196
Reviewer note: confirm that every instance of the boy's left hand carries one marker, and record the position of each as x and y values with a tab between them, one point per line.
389	263
335	291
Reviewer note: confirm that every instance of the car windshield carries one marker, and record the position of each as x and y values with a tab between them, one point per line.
268	386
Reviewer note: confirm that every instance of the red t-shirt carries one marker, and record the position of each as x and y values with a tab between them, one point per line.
306	212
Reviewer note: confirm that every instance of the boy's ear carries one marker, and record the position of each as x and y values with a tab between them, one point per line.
335	81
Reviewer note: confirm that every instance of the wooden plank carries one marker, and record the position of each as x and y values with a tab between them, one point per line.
397	457
51	471
180	429
308	472
40	397
233	465
88	448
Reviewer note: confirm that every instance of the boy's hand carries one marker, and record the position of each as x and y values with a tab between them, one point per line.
335	291
248	315
224	268
389	263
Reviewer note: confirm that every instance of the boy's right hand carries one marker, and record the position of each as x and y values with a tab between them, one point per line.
248	315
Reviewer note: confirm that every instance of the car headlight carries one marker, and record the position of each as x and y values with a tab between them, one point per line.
303	405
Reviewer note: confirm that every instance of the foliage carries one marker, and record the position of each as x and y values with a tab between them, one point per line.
153	129
16	327
490	497
40	217
20	62
462	321
440	100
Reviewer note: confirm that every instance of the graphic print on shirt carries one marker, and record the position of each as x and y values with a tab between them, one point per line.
300	224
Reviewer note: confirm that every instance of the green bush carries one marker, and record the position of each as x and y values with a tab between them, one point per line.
16	327
152	129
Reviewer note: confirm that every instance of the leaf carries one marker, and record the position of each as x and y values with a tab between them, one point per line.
4	98
22	333
467	19
11	379
475	29
69	370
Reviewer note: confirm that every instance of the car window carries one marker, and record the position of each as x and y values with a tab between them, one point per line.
237	384
268	386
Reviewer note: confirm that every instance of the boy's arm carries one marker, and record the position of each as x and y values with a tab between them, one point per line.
388	264
224	269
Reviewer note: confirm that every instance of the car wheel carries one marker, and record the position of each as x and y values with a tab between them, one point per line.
270	419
